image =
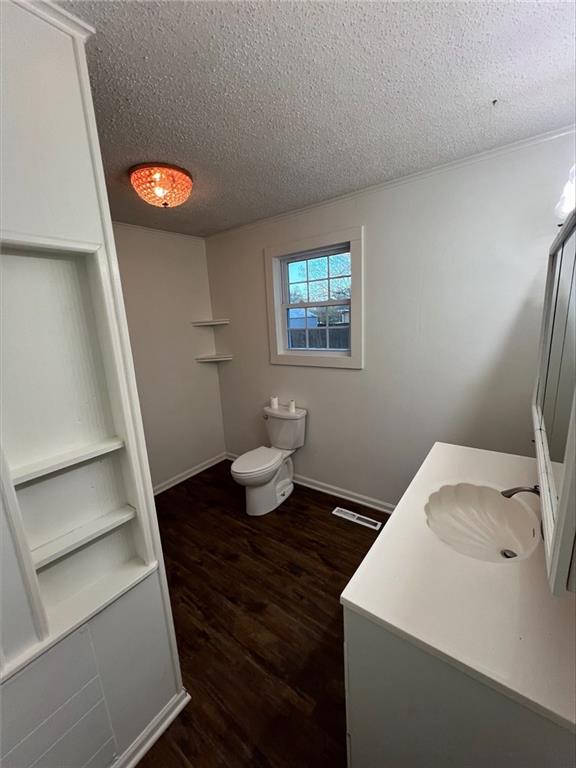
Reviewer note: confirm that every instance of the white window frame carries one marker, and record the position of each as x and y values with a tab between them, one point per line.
276	258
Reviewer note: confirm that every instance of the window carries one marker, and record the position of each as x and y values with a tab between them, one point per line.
315	302
317	291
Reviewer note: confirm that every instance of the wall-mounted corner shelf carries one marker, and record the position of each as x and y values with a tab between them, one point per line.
68	542
210	323
36	469
213	358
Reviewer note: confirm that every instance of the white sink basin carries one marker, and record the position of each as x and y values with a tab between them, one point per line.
478	521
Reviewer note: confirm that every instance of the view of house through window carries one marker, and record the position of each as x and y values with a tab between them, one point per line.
317	292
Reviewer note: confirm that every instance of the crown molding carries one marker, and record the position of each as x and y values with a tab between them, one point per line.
115	223
57	17
392	183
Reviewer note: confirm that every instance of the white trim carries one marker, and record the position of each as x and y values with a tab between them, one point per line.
334	490
24	557
164	485
58	17
136	751
115	223
557	504
274	256
451	165
133	417
342	493
22	240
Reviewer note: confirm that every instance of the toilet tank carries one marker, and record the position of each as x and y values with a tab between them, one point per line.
285	429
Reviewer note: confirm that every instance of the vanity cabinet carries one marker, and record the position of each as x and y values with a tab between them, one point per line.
90	670
452	660
407	708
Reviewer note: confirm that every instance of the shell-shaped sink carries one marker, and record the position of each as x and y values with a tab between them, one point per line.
478	521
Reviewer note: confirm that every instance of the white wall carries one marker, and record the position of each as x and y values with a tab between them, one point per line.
165	285
454	269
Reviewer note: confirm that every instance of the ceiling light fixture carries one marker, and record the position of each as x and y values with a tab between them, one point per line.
165	186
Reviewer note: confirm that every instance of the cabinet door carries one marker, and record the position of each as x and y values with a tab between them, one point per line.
410	709
133	649
53	711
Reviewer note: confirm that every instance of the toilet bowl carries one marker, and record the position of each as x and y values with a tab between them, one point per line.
267	473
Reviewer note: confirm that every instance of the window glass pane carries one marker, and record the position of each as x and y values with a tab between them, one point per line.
318	290
339	315
318	268
317	338
297	271
316	317
340	288
296	318
340	265
297	339
339	338
298	293
314	281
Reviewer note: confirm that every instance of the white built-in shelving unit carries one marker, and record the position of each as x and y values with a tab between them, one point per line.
67	437
89	671
36	469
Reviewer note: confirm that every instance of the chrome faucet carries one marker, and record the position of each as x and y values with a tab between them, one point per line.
527	488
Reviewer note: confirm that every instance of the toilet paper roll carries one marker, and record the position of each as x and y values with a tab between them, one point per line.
274	401
292	406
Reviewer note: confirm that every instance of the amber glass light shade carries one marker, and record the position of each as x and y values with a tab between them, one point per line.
165	186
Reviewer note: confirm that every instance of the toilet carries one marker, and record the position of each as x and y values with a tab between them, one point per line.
267	473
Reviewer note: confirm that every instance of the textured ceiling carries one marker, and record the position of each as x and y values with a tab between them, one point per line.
275	105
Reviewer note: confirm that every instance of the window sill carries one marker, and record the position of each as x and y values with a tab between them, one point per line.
322	360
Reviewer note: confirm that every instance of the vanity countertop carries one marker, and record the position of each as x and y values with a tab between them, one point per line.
496	621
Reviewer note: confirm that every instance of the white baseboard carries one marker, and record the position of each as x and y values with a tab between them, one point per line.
189	473
136	751
333	490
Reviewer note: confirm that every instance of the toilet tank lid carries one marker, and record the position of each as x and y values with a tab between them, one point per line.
282	412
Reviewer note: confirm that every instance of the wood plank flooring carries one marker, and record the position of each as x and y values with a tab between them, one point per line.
259	625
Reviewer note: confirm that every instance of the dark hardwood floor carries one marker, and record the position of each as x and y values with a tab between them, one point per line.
259	625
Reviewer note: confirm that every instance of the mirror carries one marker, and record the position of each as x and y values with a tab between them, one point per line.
554	408
559	382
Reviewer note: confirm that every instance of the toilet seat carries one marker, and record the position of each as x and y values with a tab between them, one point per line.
258	461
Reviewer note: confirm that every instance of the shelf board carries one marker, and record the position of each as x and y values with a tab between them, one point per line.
66	616
32	471
208	323
68	542
213	358
80	606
